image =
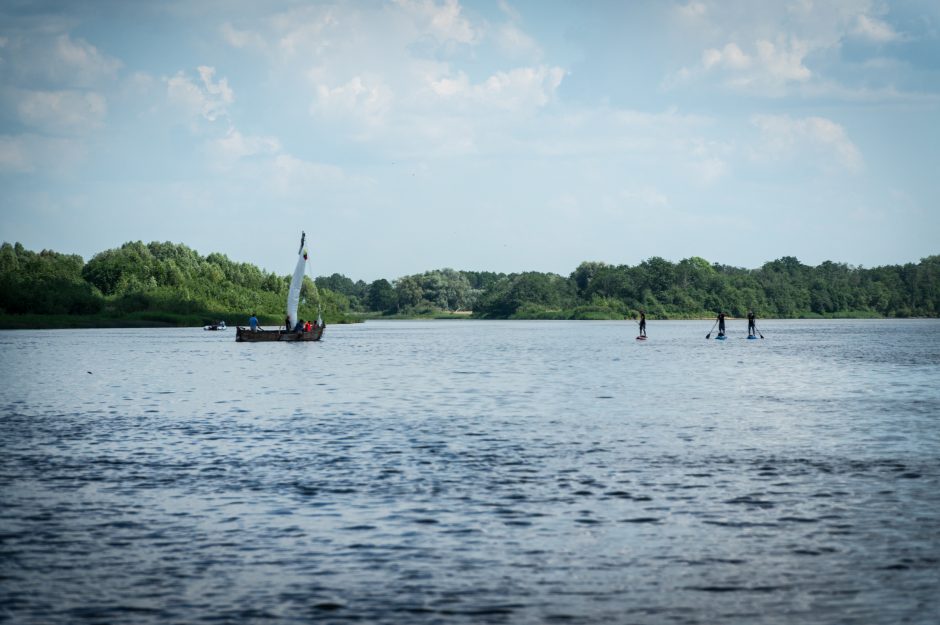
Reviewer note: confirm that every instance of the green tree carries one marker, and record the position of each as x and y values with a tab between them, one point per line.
584	274
532	291
382	297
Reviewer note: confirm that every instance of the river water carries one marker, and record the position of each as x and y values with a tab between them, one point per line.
473	472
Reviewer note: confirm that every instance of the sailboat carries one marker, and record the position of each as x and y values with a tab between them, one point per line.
290	322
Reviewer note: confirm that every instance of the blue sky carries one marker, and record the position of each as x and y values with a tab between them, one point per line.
411	135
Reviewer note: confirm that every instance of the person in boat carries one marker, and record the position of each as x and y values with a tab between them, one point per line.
308	327
751	323
642	323
721	324
287	323
253	322
300	326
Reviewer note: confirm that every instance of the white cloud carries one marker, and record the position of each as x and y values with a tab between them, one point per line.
220	90
56	59
692	9
731	57
442	21
815	139
62	112
241	38
709	169
54	86
386	75
516	43
209	100
234	146
450	87
705	161
874	29
768	68
299	169
79	62
784	61
523	88
237	145
509	11
778	50
520	88
390	72
306	31
365	99
141	82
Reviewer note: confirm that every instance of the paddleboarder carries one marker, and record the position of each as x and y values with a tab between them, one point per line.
642	323
751	323
721	324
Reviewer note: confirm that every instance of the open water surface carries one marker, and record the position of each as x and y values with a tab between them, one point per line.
473	472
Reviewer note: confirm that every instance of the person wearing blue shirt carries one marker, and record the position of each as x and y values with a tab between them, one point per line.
253	322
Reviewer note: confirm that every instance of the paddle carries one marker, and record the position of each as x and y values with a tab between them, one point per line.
758	332
709	335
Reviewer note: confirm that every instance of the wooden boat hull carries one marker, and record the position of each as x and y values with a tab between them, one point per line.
245	335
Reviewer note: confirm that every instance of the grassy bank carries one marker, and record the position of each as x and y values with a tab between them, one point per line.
592	313
50	322
152	319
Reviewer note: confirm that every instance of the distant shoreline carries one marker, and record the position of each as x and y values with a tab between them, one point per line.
85	322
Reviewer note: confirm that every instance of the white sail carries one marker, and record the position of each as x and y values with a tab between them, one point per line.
293	295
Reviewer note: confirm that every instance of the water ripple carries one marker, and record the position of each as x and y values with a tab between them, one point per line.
474	473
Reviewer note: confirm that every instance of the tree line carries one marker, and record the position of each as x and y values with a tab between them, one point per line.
150	283
691	288
173	284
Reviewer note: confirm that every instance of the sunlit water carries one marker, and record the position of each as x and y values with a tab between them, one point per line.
473	472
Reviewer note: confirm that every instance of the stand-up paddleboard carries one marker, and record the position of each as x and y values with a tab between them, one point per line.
721	337
751	337
641	338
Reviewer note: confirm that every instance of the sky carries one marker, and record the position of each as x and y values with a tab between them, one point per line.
498	135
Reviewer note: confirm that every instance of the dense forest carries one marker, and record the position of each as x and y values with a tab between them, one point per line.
691	288
147	284
168	283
